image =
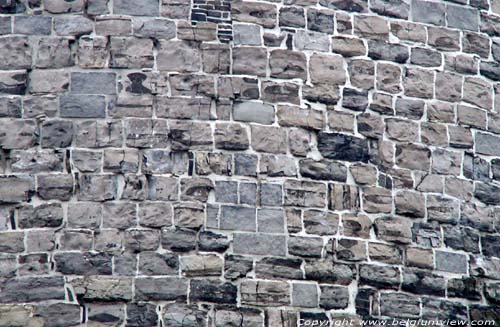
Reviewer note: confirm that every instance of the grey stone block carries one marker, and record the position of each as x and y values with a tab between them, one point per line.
93	83
451	262
82	106
259	244
144	8
428	12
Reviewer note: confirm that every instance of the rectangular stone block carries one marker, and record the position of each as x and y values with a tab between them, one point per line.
97	188
160	289
16	52
32	289
82	106
259	244
451	262
16	188
237	218
32	25
265	293
93	83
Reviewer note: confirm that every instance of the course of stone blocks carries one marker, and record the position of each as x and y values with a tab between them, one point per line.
293	161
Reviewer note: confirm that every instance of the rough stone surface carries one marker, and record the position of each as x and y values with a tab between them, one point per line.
248	163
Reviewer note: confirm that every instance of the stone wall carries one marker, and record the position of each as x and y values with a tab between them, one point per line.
248	163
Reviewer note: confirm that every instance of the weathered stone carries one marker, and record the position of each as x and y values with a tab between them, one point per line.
361	73
379	276
413	156
444	39
371	27
324	271
58	187
135	187
274	268
176	314
377	200
97	187
477	44
443	309
384	253
418	83
105	314
305	194
382	50
323	170
103	289
92	51
477	92
16	188
320	20
320	223
370	125
333	297
268	139
255	12
351	5
348	47
45	215
73	26
409	31
327	69
410	204
308	247
265	293
422	282
131	52
393	229
400	305
160	289
350	250
391	8
141	314
16	51
466	287
487	193
14	82
306	40
83	263
388	78
31	289
409	108
280	92
343	197
401	130
342	147
189	135
297	117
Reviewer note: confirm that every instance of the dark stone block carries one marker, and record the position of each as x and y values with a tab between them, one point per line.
342	147
213	291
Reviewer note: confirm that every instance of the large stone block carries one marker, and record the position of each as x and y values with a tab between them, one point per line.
342	147
32	289
16	51
160	289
